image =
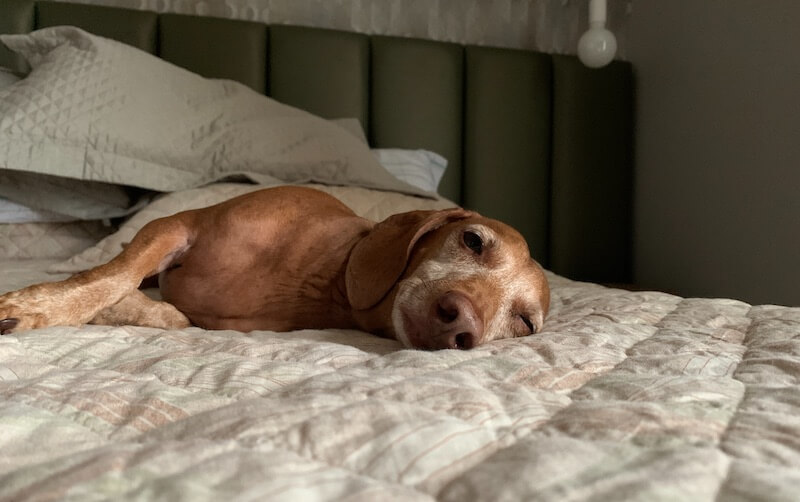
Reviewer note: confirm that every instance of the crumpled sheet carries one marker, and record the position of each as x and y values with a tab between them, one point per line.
623	396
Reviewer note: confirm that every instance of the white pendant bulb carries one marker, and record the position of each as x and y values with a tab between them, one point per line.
597	47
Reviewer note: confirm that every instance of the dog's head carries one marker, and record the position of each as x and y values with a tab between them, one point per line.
448	279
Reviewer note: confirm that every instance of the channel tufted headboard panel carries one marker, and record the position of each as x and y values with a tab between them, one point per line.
536	140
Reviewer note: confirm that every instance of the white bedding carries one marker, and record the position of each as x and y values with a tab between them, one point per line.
37	240
11	212
637	396
21	272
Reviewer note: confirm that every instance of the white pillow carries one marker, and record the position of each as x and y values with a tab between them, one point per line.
11	212
421	168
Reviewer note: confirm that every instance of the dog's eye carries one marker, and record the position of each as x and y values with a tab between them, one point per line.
473	241
529	324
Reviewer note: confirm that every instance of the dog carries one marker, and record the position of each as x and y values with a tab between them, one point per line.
288	258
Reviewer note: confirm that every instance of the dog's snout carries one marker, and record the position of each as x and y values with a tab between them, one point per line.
447	311
459	325
463	341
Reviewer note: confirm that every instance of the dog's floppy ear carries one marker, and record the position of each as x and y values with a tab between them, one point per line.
379	259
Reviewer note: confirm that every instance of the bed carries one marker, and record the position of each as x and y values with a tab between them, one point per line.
624	395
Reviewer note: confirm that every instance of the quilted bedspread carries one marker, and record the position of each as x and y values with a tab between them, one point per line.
635	396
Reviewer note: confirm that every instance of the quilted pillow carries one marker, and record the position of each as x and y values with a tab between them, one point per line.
34	197
46	240
7	77
372	204
96	109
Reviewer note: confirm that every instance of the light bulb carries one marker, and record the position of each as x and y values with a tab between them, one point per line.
597	47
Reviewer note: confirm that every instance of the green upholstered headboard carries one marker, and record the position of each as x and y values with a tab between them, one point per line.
533	139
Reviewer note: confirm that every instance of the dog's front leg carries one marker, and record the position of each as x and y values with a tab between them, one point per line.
80	298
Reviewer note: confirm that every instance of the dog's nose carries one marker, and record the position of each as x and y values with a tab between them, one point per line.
459	326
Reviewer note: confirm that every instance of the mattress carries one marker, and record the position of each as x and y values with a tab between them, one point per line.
623	395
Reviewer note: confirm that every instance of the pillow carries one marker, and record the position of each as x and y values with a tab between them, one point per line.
353	126
88	200
47	240
11	212
421	168
74	199
42	198
96	109
25	210
371	204
7	77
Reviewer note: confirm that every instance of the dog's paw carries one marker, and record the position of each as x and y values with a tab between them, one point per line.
6	325
28	308
138	310
167	316
13	320
15	316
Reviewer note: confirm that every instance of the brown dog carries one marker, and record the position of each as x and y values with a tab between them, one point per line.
291	258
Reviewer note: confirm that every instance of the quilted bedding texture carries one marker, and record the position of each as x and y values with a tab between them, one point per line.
38	240
623	396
